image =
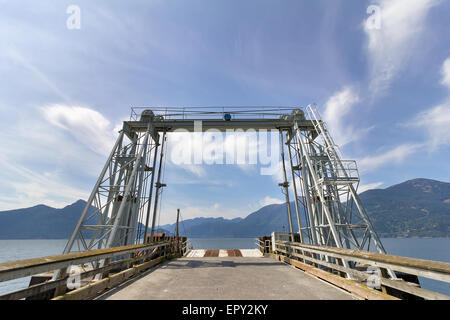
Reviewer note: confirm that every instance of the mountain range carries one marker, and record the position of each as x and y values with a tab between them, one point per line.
415	208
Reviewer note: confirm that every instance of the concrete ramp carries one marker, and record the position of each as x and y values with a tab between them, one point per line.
200	253
225	278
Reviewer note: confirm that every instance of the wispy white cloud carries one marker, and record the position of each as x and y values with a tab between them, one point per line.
390	47
445	71
189	211
435	122
88	126
181	148
369	186
27	187
196	170
51	164
19	58
394	156
247	150
270	200
338	106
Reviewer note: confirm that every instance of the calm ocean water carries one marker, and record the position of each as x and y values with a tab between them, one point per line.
431	249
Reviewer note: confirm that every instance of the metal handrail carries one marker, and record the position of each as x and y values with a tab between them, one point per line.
238	112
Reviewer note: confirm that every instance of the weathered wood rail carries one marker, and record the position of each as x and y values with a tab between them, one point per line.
100	270
111	266
326	263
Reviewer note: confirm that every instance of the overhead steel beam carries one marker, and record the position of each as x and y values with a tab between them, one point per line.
221	125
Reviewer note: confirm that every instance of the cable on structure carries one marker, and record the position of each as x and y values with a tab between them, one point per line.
162	179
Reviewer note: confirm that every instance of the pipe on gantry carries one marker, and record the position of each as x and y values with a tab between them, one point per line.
149	204
297	210
158	186
285	185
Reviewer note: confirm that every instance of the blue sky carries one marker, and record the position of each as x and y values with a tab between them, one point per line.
385	92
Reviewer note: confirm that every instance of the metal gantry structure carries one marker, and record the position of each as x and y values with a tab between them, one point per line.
324	186
121	198
334	213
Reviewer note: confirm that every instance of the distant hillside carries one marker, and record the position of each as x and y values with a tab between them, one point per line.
40	222
415	208
264	221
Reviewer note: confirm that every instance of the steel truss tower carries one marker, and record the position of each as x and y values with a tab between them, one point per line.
117	210
327	206
328	185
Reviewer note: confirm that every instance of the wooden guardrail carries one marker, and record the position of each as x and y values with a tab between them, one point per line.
329	259
134	259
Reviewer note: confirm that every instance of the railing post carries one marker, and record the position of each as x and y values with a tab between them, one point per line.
383	273
62	273
106	263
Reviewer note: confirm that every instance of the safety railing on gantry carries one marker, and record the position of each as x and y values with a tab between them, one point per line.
235	112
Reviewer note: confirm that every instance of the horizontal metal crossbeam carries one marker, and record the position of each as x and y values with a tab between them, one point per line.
221	125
